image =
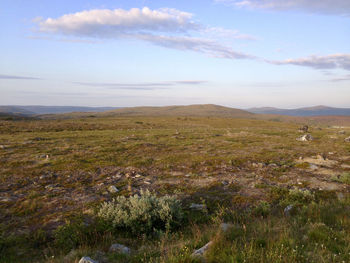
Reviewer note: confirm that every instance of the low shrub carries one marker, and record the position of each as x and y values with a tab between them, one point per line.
142	214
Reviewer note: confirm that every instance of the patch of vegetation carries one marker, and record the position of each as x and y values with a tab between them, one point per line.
144	213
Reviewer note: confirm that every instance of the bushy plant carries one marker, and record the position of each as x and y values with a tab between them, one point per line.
144	213
262	209
298	197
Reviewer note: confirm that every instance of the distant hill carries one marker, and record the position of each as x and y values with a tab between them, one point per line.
305	112
191	110
14	110
38	110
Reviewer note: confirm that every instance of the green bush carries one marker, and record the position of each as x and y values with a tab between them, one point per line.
298	197
262	209
144	213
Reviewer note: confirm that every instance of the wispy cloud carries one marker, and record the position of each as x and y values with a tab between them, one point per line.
334	7
164	27
142	86
335	61
339	79
17	77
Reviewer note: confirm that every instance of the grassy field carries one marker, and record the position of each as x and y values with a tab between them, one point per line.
55	173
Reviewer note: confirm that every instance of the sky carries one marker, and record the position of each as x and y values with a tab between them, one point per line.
236	53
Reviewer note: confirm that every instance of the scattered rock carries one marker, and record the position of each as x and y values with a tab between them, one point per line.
198	206
119	248
112	189
200	252
288	210
347	139
305	128
305	138
87	260
341	132
258	165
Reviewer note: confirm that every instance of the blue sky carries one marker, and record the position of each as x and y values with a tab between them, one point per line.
129	53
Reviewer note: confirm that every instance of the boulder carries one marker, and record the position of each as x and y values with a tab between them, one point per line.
305	138
347	139
119	248
87	260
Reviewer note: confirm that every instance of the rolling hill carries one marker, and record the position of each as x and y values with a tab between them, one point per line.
207	110
308	111
38	109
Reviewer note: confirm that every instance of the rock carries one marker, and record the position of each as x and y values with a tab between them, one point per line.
313	166
119	248
225	226
305	138
225	182
341	132
258	165
288	210
112	189
87	260
175	173
347	139
305	128
198	206
200	252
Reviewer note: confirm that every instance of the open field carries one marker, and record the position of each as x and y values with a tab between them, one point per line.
243	171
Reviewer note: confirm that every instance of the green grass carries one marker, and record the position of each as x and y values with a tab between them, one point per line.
86	155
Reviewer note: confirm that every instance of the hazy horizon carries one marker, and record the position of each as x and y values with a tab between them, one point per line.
234	53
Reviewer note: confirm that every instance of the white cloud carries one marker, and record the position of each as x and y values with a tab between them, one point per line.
111	23
336	7
335	61
206	46
164	27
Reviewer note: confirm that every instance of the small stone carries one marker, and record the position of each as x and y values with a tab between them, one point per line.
197	206
87	260
200	252
119	248
112	189
288	210
347	139
224	183
305	128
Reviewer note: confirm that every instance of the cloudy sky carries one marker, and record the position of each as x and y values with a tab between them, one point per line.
238	53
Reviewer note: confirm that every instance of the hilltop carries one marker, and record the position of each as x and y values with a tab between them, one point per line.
207	110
